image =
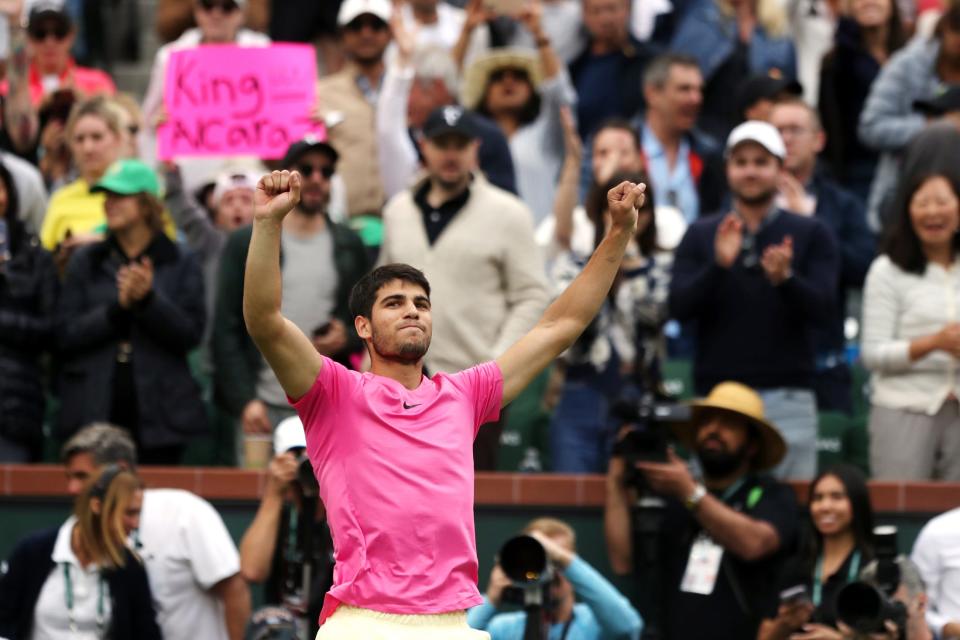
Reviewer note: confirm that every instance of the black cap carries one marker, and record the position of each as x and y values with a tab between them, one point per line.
271	623
309	142
451	119
48	9
760	87
945	101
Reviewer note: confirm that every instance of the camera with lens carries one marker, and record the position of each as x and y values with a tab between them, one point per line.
525	561
649	418
864	607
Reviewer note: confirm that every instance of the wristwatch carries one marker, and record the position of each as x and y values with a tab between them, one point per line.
693	500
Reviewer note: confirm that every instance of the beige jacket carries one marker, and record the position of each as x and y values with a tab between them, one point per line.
487	279
354	136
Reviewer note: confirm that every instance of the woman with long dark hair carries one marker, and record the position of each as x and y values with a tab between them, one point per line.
621	349
28	297
911	335
837	547
81	580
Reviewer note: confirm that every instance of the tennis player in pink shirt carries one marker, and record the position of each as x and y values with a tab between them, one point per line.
392	448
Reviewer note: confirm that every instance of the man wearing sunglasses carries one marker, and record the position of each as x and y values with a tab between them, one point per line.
50	35
348	101
321	261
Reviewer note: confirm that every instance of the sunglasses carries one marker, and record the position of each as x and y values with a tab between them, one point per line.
227	6
374	23
516	74
306	170
41	32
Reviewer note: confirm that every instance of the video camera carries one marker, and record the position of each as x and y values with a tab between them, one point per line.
649	418
864	607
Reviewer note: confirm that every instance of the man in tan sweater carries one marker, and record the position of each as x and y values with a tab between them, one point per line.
475	244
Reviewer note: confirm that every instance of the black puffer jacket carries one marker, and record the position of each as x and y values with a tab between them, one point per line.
162	330
28	297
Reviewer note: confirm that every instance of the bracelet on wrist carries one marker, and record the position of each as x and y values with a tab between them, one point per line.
543	42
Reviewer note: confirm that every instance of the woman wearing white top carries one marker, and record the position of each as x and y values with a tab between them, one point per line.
81	581
911	338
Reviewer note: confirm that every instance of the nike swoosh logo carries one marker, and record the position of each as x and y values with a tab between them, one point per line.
411	406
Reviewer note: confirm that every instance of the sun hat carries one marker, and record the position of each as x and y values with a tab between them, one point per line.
743	401
477	77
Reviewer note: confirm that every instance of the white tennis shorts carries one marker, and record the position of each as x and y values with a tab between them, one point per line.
352	623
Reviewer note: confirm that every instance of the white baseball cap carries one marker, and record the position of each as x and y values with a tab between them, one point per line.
763	133
230	180
350	10
289	435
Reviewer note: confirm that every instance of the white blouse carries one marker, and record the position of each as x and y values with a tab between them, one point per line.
899	307
91	597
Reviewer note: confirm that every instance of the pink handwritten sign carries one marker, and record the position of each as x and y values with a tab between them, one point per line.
229	100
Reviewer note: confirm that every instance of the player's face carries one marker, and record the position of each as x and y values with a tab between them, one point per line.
401	326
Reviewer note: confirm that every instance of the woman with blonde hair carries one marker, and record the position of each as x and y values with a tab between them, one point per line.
95	134
731	40
81	580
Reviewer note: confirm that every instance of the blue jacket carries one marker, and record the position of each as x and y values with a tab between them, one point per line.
604	613
29	565
709	36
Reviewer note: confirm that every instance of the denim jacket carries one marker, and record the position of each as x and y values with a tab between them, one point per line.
709	36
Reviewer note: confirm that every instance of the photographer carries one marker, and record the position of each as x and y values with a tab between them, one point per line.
603	612
911	593
720	540
288	544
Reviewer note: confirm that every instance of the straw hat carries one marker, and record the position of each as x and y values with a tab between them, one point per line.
743	401
478	74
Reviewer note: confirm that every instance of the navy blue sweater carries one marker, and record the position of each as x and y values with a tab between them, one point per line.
29	565
748	330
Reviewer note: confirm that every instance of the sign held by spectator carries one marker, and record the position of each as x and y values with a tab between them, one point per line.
229	100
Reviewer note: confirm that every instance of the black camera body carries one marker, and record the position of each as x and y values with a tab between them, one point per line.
864	607
649	418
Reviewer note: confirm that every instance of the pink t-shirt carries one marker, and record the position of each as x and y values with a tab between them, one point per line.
395	469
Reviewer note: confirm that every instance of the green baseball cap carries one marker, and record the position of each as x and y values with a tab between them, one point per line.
127	178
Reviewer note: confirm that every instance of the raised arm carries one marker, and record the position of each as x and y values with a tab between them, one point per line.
286	349
569	315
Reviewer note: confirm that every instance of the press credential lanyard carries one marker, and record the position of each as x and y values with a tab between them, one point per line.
818	576
68	596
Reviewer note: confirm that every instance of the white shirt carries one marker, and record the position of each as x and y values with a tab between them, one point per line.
51	618
897	308
187	550
937	555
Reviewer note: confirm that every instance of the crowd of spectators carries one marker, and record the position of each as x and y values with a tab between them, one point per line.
796	253
751	263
